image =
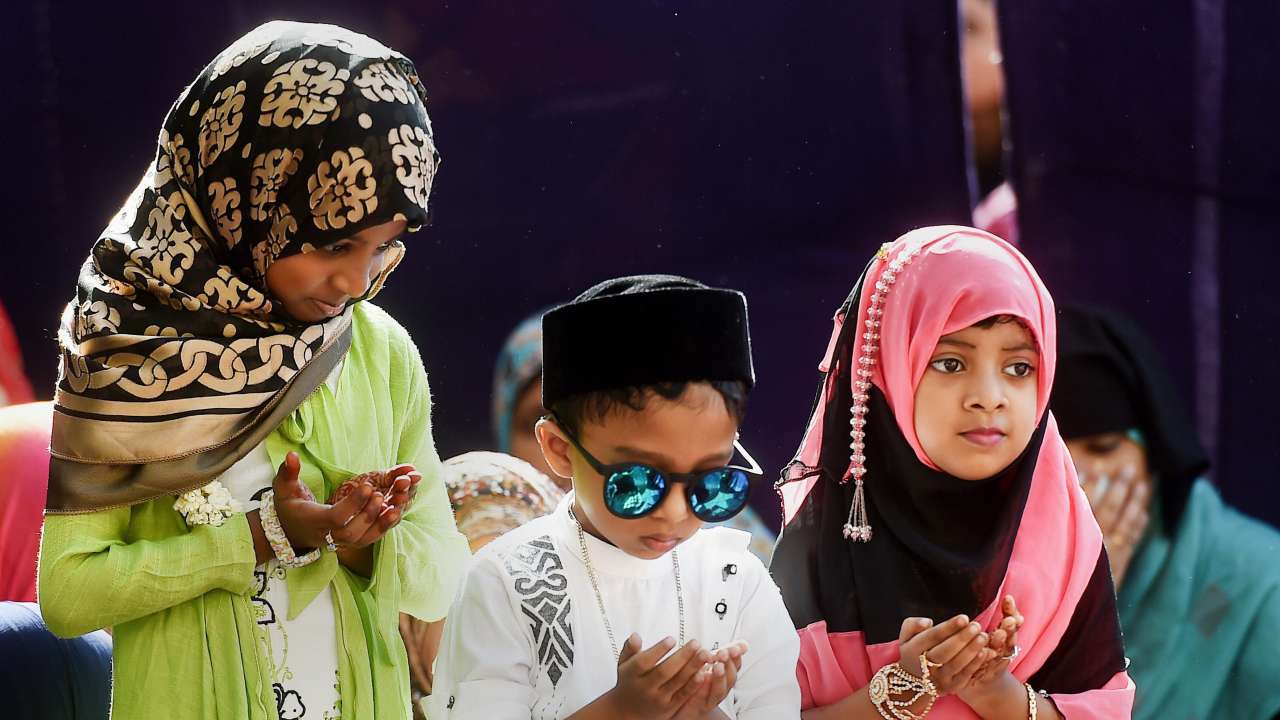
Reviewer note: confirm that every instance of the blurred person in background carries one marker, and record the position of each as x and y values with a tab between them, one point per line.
49	678
1198	584
24	453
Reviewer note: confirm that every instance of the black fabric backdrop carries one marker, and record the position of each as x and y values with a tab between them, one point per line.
765	146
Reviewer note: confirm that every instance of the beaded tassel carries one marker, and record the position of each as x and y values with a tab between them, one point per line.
857	527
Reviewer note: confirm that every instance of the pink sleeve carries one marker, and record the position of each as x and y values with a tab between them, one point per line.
1113	700
831	667
802	677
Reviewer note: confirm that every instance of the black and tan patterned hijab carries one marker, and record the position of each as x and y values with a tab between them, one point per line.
176	361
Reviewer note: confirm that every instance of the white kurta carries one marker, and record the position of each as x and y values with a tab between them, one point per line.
302	652
525	638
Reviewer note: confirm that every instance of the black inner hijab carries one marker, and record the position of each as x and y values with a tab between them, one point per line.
941	544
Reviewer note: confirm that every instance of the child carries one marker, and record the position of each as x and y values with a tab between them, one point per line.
491	493
517	407
517	396
617	605
938	556
217	335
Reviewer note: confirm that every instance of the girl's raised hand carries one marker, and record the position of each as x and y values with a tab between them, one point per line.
1003	645
380	512
355	522
405	486
954	650
304	520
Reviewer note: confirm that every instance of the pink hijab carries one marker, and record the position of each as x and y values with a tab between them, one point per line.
951	277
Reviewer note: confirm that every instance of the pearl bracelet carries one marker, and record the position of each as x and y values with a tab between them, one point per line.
280	544
892	680
1031	702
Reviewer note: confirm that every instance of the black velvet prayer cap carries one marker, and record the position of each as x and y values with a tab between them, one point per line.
644	330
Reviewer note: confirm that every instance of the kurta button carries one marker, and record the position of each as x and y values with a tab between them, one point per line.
730	569
722	608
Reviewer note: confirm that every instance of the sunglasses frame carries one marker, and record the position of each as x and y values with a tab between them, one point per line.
607	472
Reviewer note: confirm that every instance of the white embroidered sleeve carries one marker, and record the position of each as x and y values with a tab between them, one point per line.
767	688
485	663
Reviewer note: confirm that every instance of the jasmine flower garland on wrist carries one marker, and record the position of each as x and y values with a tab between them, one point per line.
208	505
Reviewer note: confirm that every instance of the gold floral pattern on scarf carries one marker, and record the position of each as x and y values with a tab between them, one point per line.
166	246
379	83
283	226
303	92
415	159
271	170
97	317
228	292
175	286
225	204
146	284
343	190
220	125
173	159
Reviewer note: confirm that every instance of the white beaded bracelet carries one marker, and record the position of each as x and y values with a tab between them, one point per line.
280	544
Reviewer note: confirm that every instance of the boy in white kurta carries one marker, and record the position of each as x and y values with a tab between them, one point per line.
619	604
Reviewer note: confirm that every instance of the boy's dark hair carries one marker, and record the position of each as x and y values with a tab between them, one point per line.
576	410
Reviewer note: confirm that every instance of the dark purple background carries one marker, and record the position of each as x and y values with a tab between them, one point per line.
765	146
1146	156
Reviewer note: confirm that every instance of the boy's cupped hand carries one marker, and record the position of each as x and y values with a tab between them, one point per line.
684	685
357	521
722	675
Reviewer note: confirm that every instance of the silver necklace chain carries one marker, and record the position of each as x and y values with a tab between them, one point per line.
595	586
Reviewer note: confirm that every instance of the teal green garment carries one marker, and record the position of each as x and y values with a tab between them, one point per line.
185	634
1201	615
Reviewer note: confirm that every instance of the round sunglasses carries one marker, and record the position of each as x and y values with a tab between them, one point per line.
633	490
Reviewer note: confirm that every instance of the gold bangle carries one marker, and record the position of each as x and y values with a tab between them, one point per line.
1031	702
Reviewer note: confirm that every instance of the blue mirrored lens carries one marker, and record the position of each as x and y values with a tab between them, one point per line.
719	495
634	491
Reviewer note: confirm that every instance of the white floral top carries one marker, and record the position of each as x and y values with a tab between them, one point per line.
302	653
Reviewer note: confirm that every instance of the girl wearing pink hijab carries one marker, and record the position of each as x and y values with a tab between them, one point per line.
938	556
